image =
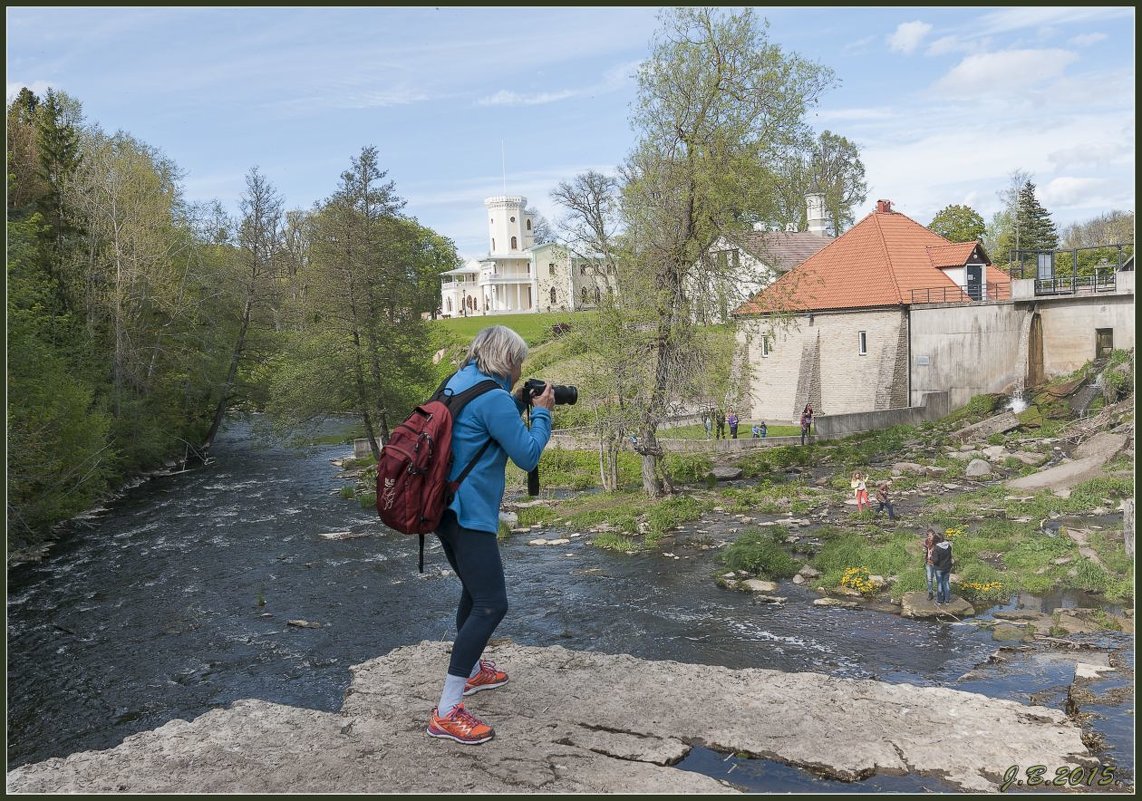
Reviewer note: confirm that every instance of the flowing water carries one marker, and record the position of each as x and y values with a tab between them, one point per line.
176	600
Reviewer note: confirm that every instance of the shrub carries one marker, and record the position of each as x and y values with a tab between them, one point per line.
609	540
673	512
687	468
760	552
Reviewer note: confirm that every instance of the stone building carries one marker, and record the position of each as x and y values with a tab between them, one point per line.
834	331
518	276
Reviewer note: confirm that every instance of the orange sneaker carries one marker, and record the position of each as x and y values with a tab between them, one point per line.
487	679
460	725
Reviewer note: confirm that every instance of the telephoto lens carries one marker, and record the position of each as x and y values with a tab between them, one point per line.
564	395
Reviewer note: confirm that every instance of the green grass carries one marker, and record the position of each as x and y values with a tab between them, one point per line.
760	552
534	328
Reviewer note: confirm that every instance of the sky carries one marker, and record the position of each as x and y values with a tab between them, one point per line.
463	103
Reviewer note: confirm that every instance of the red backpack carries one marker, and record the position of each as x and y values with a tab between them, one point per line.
413	489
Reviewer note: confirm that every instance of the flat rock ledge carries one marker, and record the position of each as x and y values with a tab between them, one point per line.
574	722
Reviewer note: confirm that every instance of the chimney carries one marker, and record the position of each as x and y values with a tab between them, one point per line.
884	206
815	214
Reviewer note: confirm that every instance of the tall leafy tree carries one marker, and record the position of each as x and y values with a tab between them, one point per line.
59	459
259	250
1001	238
364	291
25	186
718	105
836	171
958	223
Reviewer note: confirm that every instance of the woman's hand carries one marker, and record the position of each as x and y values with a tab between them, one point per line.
545	399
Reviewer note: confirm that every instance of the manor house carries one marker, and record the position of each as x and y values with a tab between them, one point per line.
519	276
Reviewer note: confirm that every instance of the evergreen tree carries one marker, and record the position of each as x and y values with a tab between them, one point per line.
1036	229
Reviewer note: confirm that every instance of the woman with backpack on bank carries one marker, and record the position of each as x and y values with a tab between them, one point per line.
489	425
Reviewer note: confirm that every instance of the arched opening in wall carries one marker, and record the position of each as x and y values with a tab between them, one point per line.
515	243
1035	372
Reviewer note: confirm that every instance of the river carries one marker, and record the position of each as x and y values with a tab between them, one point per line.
176	600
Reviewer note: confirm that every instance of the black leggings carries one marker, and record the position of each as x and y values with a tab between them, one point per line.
475	556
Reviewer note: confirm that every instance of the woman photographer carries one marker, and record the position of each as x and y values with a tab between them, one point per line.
468	530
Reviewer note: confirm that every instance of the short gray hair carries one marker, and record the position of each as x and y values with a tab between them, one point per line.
497	350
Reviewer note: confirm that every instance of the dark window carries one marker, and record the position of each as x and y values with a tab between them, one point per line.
551	269
552	294
529	224
862	343
514	245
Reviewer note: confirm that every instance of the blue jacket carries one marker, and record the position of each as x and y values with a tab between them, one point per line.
494	415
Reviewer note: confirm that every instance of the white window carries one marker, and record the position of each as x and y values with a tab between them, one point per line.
862	343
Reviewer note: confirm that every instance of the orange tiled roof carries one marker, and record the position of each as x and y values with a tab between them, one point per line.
877	262
950	255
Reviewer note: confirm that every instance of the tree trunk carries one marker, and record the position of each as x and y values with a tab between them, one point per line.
231	376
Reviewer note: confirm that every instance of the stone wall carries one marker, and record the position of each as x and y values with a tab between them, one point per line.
816	357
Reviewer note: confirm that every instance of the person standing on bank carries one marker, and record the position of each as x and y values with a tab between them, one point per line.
707	424
720	424
929	567
942	562
732	421
471	522
883	501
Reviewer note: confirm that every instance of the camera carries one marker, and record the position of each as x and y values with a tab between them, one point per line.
564	395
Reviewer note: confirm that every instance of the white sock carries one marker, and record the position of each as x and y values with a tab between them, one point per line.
452	694
475	670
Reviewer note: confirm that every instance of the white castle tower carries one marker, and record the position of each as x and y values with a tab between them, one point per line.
815	213
509	226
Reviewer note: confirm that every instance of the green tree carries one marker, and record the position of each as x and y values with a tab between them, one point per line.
58	458
836	171
718	107
1001	238
360	346
957	223
259	250
25	186
1033	222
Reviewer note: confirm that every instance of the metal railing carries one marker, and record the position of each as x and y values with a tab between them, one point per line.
1072	285
954	294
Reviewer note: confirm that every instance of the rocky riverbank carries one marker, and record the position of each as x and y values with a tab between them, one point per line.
575	722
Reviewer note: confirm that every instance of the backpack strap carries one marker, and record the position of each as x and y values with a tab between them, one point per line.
455	404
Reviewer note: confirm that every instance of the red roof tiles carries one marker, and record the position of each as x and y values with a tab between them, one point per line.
877	262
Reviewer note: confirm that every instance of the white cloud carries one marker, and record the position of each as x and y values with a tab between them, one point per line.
948	44
614	79
506	98
1069	191
1087	39
1010	70
908	35
1012	19
1098	154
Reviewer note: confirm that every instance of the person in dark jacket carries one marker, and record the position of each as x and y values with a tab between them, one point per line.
468	531
942	562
